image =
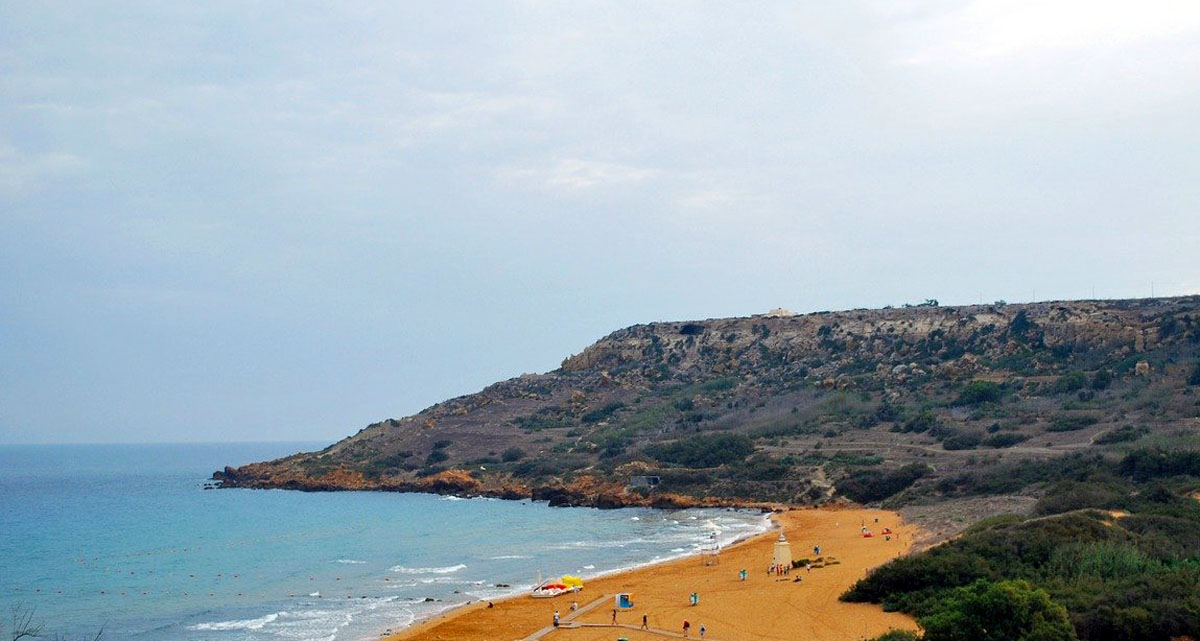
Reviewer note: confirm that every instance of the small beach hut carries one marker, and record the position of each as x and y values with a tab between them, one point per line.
783	552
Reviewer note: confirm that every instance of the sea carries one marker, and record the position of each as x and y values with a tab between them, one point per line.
125	540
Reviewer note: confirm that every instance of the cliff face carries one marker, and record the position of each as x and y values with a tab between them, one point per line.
788	408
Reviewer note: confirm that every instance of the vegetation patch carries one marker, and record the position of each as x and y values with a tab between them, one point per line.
1135	578
707	450
1124	434
1072	423
868	486
977	392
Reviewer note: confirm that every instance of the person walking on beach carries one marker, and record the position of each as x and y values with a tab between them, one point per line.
556	618
686	626
614	616
645	623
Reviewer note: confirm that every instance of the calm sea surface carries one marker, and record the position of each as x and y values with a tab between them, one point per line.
124	538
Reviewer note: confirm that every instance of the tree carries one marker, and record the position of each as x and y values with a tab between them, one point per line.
23	626
1003	611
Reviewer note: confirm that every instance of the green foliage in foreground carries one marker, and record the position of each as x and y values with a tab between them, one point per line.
1135	578
1004	611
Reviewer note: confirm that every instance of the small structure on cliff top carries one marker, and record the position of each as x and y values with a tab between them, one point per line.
783	551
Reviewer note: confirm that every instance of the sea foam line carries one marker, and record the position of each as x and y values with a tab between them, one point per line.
444	570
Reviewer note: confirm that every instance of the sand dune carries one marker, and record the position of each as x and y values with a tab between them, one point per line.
762	607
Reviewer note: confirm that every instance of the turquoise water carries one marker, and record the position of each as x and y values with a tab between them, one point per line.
124	537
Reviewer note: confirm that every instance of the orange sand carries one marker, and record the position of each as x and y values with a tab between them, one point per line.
762	607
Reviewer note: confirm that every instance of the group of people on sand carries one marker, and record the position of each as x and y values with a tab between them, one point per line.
687	625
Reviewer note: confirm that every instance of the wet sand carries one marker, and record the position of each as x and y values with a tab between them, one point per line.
761	607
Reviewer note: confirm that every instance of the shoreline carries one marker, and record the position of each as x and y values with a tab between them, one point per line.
661	587
770	526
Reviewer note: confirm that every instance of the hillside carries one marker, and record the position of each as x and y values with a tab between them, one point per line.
909	406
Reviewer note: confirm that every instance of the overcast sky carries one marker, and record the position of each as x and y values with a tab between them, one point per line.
285	220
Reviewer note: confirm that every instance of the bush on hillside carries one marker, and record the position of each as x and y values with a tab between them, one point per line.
1123	434
868	486
1008	439
707	450
977	392
512	454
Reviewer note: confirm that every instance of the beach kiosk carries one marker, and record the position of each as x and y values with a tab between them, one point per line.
783	552
623	601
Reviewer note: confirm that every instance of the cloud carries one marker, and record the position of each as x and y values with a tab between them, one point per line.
988	30
22	172
575	174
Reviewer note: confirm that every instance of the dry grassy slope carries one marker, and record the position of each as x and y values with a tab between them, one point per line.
823	396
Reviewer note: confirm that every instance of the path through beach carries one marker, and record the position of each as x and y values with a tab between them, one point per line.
760	608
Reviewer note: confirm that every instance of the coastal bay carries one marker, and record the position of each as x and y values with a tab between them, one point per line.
763	606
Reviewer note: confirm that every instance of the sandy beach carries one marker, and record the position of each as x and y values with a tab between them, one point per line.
761	607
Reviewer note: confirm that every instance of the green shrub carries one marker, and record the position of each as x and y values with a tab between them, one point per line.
1123	434
1136	578
1070	382
512	454
977	392
962	441
595	416
868	486
1194	377
761	468
709	450
1069	495
921	422
1071	423
1007	439
1003	611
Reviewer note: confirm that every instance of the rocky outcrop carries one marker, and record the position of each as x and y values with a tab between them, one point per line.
801	387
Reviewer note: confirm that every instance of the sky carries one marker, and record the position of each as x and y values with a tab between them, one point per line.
253	220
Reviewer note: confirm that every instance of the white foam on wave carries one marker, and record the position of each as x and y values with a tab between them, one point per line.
244	624
443	570
510	556
350	562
